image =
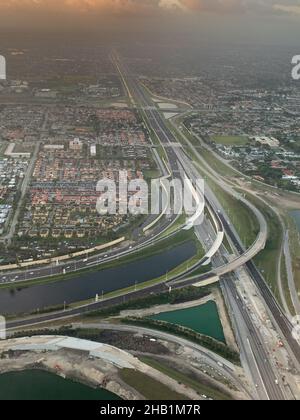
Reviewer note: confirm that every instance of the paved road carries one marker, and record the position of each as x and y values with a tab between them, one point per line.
73	266
252	345
283	324
166	137
286	250
218	363
8	237
24	187
174	154
276	313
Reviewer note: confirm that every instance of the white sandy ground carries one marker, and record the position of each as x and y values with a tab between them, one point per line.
73	362
82	373
120	105
165	105
169	115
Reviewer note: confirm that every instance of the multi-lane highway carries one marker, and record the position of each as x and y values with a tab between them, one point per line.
168	140
277	315
283	324
89	261
174	155
253	350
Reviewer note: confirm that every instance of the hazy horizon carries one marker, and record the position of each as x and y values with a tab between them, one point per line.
220	21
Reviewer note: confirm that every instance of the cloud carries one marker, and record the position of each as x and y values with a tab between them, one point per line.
112	7
290	9
78	12
217	6
259	7
149	7
94	13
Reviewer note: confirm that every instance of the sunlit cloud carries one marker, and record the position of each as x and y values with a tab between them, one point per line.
144	7
85	6
271	7
293	9
86	12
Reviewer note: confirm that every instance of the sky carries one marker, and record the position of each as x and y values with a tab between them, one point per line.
261	20
150	7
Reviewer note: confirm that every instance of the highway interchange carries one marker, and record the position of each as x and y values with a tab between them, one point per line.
252	347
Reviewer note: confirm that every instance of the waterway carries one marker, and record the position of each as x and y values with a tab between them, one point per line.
203	319
86	286
296	216
38	385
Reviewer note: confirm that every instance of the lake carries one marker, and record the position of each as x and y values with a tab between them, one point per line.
203	319
39	385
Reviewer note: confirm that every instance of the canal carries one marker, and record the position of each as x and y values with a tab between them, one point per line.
38	385
86	286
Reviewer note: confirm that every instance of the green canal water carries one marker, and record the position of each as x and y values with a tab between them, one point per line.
38	385
204	319
296	216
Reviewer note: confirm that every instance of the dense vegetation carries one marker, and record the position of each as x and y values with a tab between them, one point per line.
187	334
174	297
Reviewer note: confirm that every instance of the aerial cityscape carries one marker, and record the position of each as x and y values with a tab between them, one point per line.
150	202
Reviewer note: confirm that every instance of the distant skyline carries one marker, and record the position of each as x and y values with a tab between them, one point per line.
262	21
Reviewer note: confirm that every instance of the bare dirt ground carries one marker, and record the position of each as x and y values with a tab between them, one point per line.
225	320
79	366
165	308
280	199
97	374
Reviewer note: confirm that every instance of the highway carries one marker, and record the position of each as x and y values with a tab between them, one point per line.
252	345
174	156
268	379
254	353
88	262
13	223
276	313
284	326
218	363
278	317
